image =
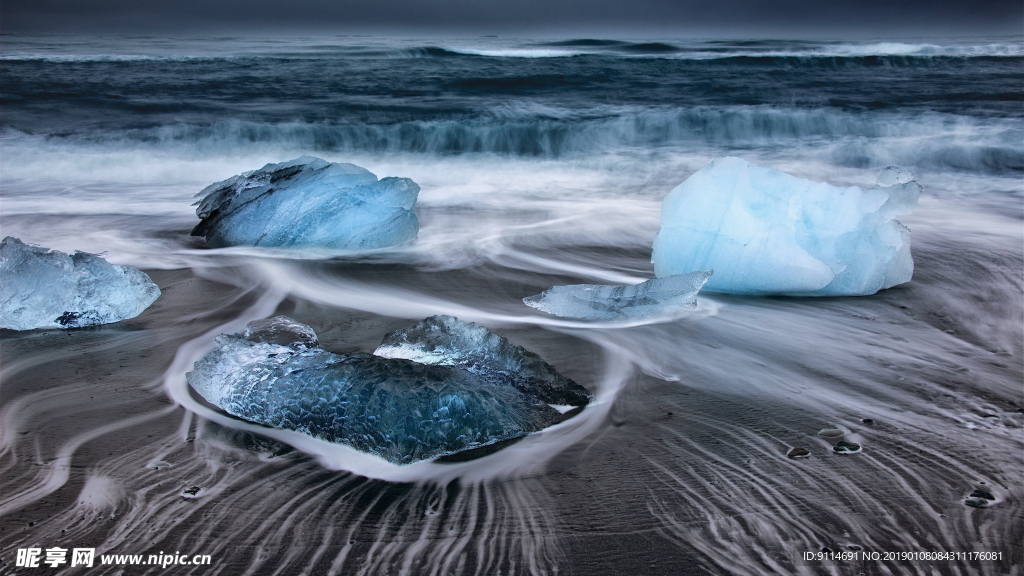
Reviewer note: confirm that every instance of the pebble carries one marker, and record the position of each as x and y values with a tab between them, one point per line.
844	447
799	453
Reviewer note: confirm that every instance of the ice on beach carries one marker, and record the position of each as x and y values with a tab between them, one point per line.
657	297
308	202
41	288
448	341
281	330
766	232
397	409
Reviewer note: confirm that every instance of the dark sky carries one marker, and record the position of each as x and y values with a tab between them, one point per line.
776	18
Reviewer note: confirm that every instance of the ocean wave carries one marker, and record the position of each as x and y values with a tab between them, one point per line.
709	51
371	49
517	52
857	139
86	58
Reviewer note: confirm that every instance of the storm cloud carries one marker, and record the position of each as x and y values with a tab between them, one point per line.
539	17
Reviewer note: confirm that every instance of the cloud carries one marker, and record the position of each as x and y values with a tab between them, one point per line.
550	17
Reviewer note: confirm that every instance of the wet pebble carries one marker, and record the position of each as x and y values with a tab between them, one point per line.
844	447
867	420
979	499
799	453
831	433
191	492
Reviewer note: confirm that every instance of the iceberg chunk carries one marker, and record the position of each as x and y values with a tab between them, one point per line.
395	408
281	330
766	232
660	296
41	288
448	341
308	202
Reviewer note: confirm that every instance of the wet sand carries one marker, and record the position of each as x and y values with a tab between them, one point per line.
683	471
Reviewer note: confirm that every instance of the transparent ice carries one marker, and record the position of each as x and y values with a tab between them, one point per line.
657	297
397	409
308	202
41	288
448	341
766	232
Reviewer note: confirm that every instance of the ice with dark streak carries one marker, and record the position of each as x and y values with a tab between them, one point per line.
448	341
767	232
42	288
397	409
309	203
652	298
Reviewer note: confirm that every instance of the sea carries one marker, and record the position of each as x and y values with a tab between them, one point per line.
541	162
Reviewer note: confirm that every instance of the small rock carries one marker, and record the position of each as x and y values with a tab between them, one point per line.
831	433
867	420
844	447
191	492
799	453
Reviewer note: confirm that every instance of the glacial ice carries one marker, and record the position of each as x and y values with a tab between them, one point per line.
448	341
281	330
766	232
656	297
308	202
397	409
41	288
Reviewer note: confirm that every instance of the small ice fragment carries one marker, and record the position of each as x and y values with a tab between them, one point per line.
891	175
656	297
448	341
767	232
42	288
281	330
844	447
308	202
400	410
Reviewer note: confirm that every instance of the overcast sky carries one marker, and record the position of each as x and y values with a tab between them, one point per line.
773	18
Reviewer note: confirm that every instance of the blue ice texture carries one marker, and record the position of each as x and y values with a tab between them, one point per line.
403	411
448	341
41	288
652	298
767	232
308	203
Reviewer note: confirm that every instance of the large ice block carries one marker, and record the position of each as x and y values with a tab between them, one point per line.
397	409
657	297
766	232
308	202
448	341
41	288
